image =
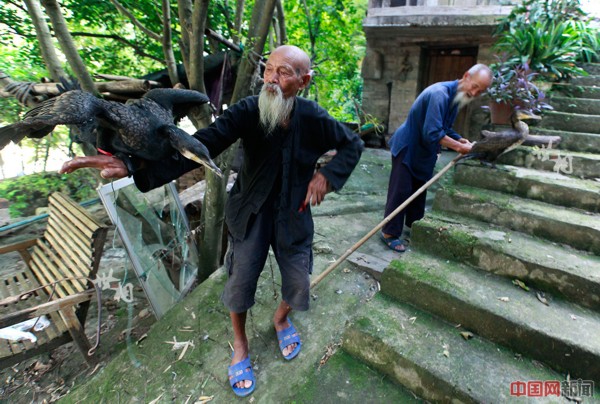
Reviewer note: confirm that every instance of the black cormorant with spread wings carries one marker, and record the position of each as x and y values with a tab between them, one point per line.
144	128
493	144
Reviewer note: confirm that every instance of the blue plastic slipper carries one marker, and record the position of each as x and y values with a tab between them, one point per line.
288	337
392	243
241	371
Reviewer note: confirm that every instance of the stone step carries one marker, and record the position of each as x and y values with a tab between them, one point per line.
571	163
562	335
569	121
545	186
565	272
344	378
575	105
575	141
577	229
592	68
590	80
408	345
577	91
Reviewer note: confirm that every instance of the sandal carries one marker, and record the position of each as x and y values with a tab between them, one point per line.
239	372
393	243
288	337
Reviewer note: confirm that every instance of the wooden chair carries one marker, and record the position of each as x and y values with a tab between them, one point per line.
55	282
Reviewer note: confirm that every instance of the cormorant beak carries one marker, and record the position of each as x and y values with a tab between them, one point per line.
524	114
205	161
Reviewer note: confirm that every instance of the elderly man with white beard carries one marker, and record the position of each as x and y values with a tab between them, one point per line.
283	136
416	144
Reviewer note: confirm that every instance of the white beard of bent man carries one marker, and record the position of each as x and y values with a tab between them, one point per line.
462	99
273	107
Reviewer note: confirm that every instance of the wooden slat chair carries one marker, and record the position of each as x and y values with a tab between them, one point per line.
55	282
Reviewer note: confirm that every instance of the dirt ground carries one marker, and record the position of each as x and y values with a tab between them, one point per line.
48	377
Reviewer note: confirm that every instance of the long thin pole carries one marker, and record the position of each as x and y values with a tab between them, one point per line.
384	221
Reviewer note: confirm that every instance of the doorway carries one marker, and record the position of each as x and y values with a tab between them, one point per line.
447	64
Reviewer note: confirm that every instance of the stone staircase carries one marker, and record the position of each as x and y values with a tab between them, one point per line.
501	289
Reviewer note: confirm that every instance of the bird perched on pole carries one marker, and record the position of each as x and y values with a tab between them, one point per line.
145	128
495	143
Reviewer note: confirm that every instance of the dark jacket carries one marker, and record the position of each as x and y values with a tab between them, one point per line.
430	119
286	156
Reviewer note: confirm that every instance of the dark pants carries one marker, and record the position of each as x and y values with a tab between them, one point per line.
245	260
402	185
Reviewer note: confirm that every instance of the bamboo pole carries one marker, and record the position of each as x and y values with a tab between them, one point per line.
384	221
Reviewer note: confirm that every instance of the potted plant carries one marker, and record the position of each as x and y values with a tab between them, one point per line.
512	88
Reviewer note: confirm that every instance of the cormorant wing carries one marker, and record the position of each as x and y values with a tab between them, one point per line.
178	101
70	108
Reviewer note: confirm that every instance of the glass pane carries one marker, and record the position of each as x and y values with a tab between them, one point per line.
156	235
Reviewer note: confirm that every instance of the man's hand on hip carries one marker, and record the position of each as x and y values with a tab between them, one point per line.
317	188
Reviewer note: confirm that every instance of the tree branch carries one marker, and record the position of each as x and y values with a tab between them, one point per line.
135	21
136	48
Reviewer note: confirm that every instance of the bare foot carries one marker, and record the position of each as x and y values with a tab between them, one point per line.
280	326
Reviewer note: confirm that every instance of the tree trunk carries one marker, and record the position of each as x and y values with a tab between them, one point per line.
167	43
185	21
68	46
237	25
45	40
281	31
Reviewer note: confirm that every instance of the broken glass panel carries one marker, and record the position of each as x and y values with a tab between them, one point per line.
156	235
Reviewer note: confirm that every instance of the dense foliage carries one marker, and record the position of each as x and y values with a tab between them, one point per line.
29	192
550	36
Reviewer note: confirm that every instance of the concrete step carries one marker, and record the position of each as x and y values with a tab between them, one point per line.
343	378
590	80
408	345
575	141
573	164
571	122
577	91
565	272
575	105
544	186
577	229
562	335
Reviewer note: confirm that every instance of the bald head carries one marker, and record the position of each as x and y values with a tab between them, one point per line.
296	56
475	80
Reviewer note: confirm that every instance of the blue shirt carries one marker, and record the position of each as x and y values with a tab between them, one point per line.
430	119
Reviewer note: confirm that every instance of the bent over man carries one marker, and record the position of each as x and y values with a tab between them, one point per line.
416	144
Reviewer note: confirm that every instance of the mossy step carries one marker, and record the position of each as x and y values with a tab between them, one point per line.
571	163
575	105
576	91
573	122
408	345
544	186
563	335
343	378
591	68
577	229
565	272
574	141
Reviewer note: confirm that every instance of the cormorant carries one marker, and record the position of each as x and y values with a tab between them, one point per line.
493	144
144	127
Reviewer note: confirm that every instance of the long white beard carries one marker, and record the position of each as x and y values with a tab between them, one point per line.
273	107
462	99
